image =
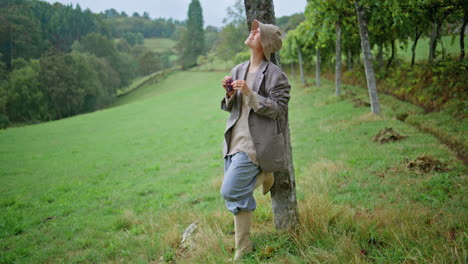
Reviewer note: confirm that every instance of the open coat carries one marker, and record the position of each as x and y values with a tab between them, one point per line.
267	118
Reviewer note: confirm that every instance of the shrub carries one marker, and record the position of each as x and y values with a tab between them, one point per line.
242	56
432	86
4	121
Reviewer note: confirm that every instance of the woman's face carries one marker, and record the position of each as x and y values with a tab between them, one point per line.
253	40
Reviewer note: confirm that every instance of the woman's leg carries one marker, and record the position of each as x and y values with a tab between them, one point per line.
239	183
237	189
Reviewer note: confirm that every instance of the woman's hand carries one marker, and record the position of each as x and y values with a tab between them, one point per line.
241	85
223	82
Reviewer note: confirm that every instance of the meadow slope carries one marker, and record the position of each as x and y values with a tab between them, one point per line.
120	185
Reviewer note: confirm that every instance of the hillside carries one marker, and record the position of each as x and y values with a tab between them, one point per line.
159	44
120	185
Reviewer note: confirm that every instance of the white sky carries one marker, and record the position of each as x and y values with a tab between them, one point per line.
213	10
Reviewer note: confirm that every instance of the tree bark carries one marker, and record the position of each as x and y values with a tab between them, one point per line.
349	58
392	56
292	71
301	65
443	48
413	48
11	48
283	192
317	68
380	56
462	36
433	41
370	76
338	60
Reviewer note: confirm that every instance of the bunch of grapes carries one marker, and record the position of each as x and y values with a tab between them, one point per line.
229	85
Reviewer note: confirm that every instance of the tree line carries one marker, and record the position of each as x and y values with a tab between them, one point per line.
58	60
149	28
333	29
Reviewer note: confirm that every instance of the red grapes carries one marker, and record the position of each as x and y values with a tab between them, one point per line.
229	85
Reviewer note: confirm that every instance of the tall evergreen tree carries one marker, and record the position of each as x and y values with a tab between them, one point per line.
194	41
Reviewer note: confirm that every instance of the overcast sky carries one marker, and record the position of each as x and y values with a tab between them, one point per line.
213	10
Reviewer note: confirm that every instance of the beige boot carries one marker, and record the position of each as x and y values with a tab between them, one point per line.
242	223
266	179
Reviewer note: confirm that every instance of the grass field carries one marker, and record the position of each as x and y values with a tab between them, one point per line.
135	83
164	86
162	45
120	185
159	44
451	44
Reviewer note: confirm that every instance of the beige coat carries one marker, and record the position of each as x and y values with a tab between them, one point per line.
267	119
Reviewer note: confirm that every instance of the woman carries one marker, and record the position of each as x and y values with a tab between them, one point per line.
254	146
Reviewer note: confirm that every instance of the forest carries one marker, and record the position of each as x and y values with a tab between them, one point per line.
58	60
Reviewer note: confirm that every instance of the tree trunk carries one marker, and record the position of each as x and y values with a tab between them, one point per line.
443	48
283	192
11	49
413	48
338	60
380	56
301	65
433	41
462	36
370	76
392	56
349	58
317	68
292	71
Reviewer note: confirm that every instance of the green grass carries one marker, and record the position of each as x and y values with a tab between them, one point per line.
146	86
451	44
91	171
135	83
167	84
159	44
215	65
120	185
